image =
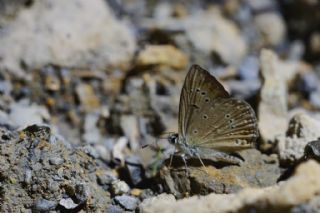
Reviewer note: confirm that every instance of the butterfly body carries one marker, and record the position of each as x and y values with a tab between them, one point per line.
211	123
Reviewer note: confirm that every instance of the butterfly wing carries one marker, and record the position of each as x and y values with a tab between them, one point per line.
209	118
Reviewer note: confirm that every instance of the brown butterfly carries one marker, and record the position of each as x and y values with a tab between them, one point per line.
212	125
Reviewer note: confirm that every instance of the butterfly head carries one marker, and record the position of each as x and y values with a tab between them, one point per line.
173	138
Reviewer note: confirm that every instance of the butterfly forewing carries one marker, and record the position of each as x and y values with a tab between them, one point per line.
209	118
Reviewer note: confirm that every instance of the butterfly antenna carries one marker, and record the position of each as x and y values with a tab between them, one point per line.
205	168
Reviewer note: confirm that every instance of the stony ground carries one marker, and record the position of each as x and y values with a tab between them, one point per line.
90	90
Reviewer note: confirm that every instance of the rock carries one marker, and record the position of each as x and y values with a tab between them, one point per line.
312	150
272	28
128	202
300	188
164	199
257	170
119	149
68	203
89	150
23	114
249	68
272	110
309	82
43	205
119	187
105	177
302	129
130	126
82	193
218	35
135	169
114	209
91	130
31	168
87	96
76	34
56	160
312	206
243	89
162	55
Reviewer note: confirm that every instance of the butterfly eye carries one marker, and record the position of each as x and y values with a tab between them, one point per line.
206	100
205	116
227	116
203	93
197	90
195	131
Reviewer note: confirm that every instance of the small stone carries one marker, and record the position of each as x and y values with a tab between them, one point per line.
119	148
114	209
87	97
82	192
23	114
43	205
135	169
89	150
136	192
105	177
249	68
56	161
119	187
27	176
128	202
130	127
91	131
271	27
312	150
309	83
302	129
162	55
68	203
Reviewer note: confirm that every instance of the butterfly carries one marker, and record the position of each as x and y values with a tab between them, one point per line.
212	125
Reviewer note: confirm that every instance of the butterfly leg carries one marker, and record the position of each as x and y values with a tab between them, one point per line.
183	157
205	168
171	157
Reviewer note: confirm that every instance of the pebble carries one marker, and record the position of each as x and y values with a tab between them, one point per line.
43	205
56	161
128	202
119	187
68	203
249	68
114	209
312	150
27	176
163	55
309	83
82	192
135	169
105	177
271	27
